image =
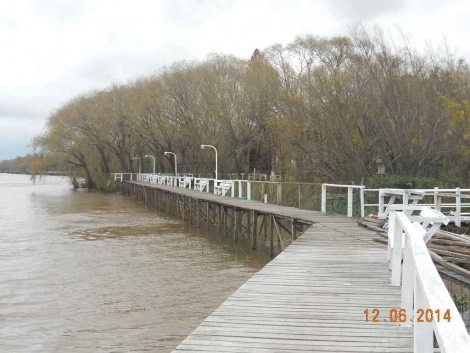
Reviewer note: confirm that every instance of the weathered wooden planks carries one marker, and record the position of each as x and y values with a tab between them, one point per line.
311	297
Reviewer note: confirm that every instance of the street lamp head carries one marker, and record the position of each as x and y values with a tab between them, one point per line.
202	147
147	155
165	153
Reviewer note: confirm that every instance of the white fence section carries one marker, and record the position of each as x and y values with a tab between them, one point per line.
223	186
426	225
350	188
242	188
388	197
385	197
120	177
426	304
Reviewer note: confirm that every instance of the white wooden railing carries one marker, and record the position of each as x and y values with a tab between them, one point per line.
388	197
426	304
237	188
120	177
350	188
385	197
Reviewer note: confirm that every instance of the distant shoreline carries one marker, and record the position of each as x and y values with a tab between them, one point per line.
48	174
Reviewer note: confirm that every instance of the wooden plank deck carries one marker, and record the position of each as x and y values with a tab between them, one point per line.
311	297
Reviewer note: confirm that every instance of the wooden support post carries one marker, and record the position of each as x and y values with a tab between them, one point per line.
279	240
232	222
279	193
294	229
350	201
184	208
323	198
248	223
238	223
265	227
190	210
219	218
197	213
423	331
225	221
207	215
458	209
271	236
437	200
255	229
361	199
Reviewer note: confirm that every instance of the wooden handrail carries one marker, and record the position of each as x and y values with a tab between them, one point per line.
423	289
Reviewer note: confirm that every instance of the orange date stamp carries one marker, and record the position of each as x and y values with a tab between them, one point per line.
400	315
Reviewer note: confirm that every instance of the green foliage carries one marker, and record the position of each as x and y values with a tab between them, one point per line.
462	302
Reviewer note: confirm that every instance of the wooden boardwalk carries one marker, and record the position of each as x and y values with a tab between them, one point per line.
311	297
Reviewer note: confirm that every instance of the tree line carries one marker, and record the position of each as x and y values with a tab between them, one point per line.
316	109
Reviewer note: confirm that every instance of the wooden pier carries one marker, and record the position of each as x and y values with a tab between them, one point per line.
311	297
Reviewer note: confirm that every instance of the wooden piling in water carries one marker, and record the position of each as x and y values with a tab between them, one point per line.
255	229
226	217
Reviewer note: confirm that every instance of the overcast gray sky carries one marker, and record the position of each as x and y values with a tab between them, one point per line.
55	49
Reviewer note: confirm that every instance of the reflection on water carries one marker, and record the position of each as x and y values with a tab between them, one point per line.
86	272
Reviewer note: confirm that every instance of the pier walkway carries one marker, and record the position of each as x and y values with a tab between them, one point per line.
311	297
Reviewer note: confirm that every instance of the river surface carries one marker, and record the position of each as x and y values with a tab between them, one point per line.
81	271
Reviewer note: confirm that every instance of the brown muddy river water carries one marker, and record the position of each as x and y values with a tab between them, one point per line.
82	271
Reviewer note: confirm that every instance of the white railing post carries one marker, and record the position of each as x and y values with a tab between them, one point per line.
350	201
248	190
397	253
407	283
381	211
423	331
458	210
323	198
391	234
437	199
240	189
406	198
361	194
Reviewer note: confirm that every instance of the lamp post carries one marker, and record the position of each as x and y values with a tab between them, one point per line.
176	164
147	155
215	149
138	160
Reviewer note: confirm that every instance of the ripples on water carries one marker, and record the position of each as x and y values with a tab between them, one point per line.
85	272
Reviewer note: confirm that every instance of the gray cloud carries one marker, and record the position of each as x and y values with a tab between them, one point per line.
58	49
189	13
25	107
362	10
